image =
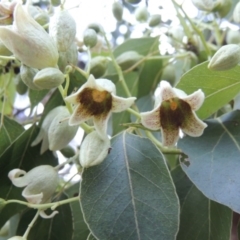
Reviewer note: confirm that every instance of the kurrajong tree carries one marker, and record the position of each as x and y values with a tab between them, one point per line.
160	153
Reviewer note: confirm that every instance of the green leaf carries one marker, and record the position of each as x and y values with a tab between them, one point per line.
9	132
36	96
200	217
131	194
57	228
20	155
143	46
219	87
76	80
213	159
80	228
149	76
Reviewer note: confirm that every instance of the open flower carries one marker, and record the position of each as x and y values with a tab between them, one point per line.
96	99
40	183
28	41
174	110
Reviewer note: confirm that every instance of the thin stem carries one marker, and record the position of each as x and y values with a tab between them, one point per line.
118	68
164	150
7	57
31	225
64	163
135	113
89	60
44	206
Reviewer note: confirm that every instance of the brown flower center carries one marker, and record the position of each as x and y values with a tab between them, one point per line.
99	96
95	102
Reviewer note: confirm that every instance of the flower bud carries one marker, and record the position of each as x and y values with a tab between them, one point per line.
59	132
93	150
27	74
169	74
223	7
128	59
40	183
133	1
55	3
233	37
204	5
98	66
62	28
96	27
68	57
67	151
48	78
236	13
141	14
117	10
154	20
43	133
90	38
225	58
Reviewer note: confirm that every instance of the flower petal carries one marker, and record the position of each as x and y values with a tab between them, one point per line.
32	198
195	100
14	176
193	126
166	91
79	115
100	123
170	136
151	119
120	104
106	84
28	34
45	144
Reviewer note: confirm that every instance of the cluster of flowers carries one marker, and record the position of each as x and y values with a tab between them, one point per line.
40	52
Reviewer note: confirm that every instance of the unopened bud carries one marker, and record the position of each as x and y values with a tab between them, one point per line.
204	5
225	58
117	10
223	7
67	151
48	78
55	3
133	1
93	150
62	28
128	59
59	132
98	66
141	14
236	13
169	74
233	37
21	87
27	74
96	27
154	20
90	38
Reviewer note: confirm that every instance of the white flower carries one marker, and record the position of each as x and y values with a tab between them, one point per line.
174	110
28	41
96	99
55	133
40	183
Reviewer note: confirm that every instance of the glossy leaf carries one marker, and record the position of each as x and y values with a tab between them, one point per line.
213	160
36	96
219	86
57	228
20	155
80	229
131	194
9	132
200	217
